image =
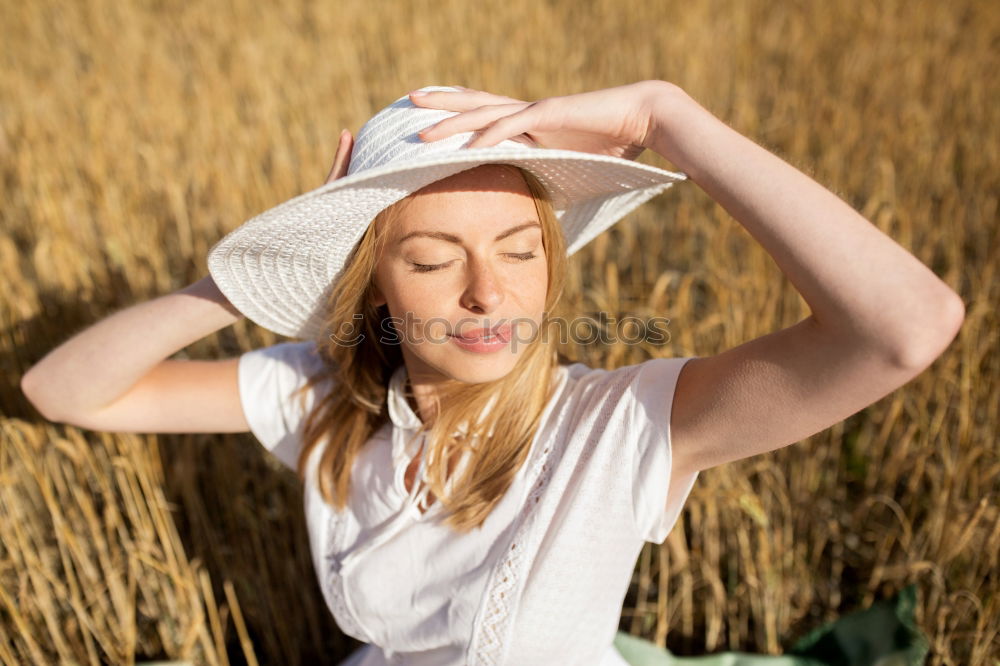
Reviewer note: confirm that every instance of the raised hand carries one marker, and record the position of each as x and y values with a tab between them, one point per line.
342	160
613	121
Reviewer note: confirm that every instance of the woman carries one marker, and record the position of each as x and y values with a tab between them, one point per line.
510	539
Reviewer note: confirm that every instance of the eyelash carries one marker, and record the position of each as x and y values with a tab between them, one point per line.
427	268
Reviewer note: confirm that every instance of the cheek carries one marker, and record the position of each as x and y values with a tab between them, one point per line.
409	298
416	308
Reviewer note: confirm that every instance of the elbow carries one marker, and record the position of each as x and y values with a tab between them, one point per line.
920	351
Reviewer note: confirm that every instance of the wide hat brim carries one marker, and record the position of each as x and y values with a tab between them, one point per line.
279	267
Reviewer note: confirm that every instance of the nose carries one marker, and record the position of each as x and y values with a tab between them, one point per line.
483	292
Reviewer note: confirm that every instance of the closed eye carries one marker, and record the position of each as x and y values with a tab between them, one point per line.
427	268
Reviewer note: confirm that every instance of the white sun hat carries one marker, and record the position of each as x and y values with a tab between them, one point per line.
279	267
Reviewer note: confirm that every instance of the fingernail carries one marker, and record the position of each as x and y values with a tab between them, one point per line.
418	93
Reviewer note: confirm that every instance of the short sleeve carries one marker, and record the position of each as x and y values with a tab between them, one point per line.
656	505
268	378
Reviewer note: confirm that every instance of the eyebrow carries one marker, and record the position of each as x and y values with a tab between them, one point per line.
451	238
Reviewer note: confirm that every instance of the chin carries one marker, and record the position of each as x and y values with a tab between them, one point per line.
481	376
473	368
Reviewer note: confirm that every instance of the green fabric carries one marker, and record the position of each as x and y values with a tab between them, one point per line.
884	634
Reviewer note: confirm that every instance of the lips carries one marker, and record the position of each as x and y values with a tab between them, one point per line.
501	330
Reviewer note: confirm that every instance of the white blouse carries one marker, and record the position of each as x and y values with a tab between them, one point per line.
543	580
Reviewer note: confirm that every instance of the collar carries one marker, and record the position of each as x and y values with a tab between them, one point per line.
405	421
405	424
400	412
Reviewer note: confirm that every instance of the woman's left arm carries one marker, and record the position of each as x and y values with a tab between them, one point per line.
862	287
879	316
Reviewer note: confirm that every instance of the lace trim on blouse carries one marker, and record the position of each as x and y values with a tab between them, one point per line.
493	623
335	582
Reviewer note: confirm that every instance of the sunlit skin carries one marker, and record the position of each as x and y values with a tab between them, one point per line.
478	282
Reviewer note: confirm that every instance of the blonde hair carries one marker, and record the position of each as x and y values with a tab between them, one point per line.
349	415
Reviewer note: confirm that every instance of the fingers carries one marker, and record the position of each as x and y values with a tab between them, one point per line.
342	160
468	121
465	100
507	127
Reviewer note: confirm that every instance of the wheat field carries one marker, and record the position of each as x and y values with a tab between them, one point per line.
134	135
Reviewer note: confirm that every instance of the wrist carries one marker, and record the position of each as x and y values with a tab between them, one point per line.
670	109
207	288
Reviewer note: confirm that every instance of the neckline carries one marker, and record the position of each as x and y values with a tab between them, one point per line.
404	446
402	414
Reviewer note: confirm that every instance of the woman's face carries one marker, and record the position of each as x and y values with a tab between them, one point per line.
466	254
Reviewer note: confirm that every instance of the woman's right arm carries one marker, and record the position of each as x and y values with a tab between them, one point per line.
113	376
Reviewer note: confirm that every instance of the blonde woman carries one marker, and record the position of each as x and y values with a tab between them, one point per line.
472	496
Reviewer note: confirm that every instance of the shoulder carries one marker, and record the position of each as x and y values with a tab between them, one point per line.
269	379
634	397
270	376
656	375
285	365
293	354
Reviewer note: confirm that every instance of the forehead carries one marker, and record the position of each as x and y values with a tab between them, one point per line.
479	200
485	179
